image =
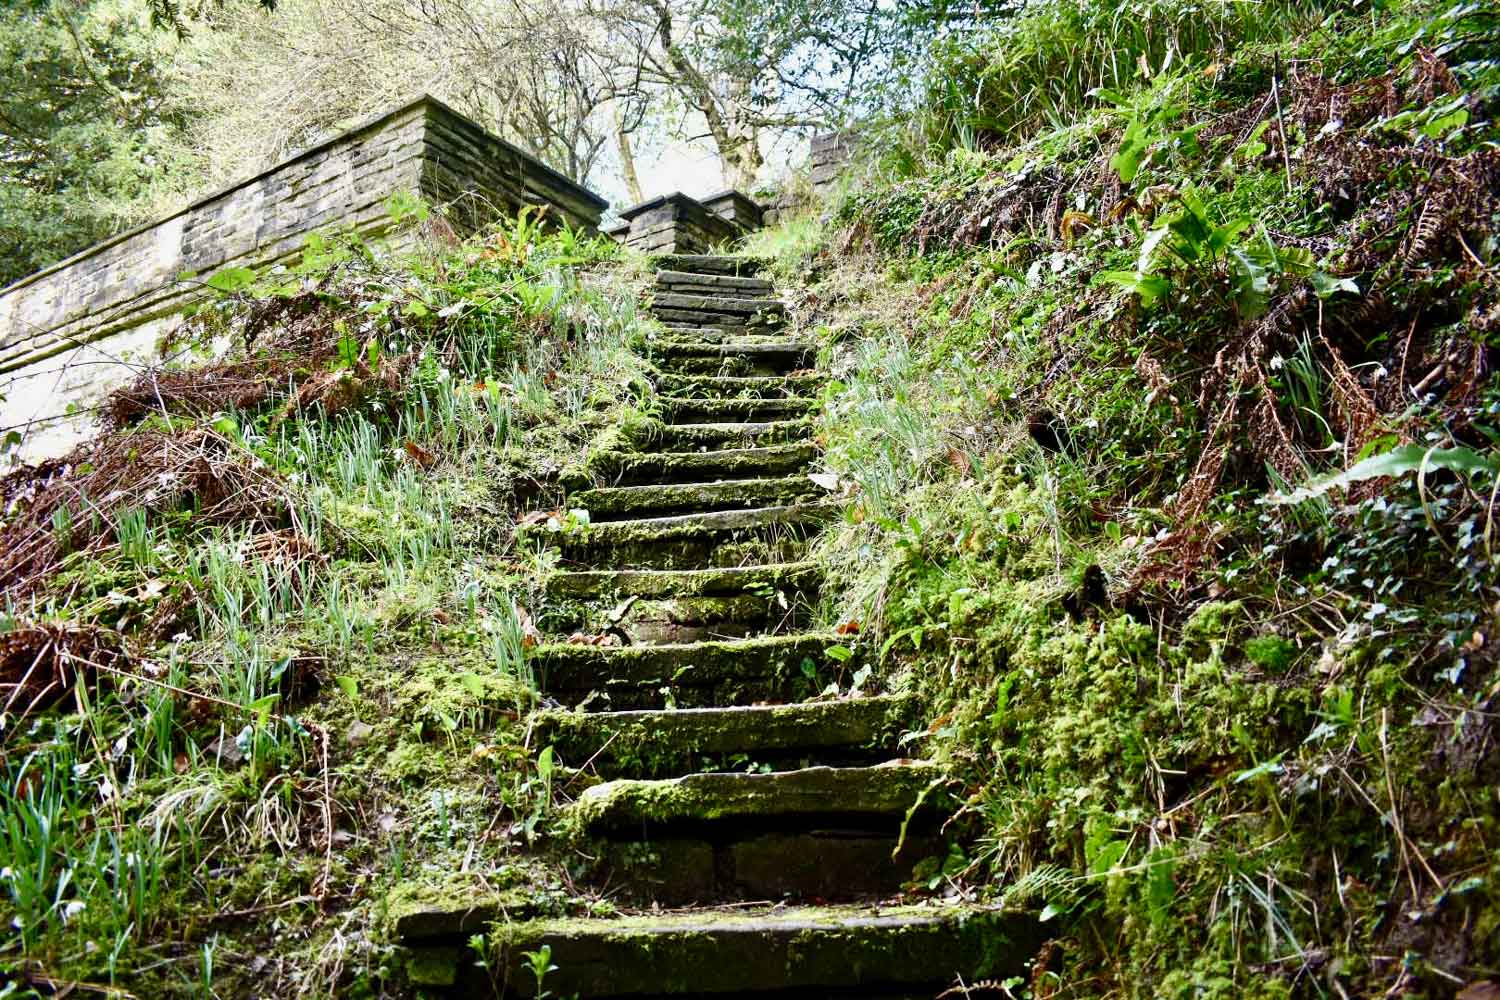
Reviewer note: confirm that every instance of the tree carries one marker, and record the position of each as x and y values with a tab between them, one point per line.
267	87
86	128
741	67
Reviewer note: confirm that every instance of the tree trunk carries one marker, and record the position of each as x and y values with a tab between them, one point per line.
627	157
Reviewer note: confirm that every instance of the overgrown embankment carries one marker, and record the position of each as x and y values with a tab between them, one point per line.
1167	417
265	638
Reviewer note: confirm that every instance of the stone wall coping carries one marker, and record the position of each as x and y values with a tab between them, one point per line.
729	194
680	198
311	151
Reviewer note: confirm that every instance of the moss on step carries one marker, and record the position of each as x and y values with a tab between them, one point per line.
704	263
685	583
696	540
740	386
778	668
631	805
680	497
695	410
727	463
800	948
656	743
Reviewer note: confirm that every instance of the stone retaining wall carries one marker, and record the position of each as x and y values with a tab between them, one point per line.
71	331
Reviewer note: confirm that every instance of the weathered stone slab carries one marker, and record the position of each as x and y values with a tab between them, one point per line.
684	583
655	744
677	498
726	463
691	263
709	410
641	806
692	675
836	948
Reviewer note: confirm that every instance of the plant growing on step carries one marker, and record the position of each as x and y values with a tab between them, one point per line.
539	964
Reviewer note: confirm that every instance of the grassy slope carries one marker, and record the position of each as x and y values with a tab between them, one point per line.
1236	747
310	612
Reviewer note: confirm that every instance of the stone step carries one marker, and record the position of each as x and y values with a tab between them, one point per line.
703	357
740	386
657	744
826	833
707	263
721	284
661	467
731	436
721	333
849	951
786	577
695	410
717	307
787	668
699	619
631	806
616	502
698	541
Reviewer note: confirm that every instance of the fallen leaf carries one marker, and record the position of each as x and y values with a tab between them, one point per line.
827	480
529	634
418	454
850	627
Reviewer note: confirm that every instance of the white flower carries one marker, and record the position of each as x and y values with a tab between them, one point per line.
72	908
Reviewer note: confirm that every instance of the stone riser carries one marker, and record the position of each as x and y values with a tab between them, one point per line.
687	619
659	500
820	863
700	411
732	366
693	437
664	468
747	322
740	548
768	387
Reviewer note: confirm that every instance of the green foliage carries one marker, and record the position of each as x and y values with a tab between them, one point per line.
87	128
1039	66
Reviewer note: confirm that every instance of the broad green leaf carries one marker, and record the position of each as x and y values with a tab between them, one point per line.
1396	462
348	685
231	279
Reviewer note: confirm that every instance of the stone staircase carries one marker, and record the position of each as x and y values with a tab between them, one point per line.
756	839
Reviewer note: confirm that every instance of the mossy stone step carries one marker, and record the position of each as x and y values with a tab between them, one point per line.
722	306
707	263
786	577
676	498
786	668
740	386
697	541
632	806
693	410
768	462
708	358
707	619
720	333
655	744
729	435
874	951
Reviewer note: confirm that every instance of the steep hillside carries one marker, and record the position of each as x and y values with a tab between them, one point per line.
1083	521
